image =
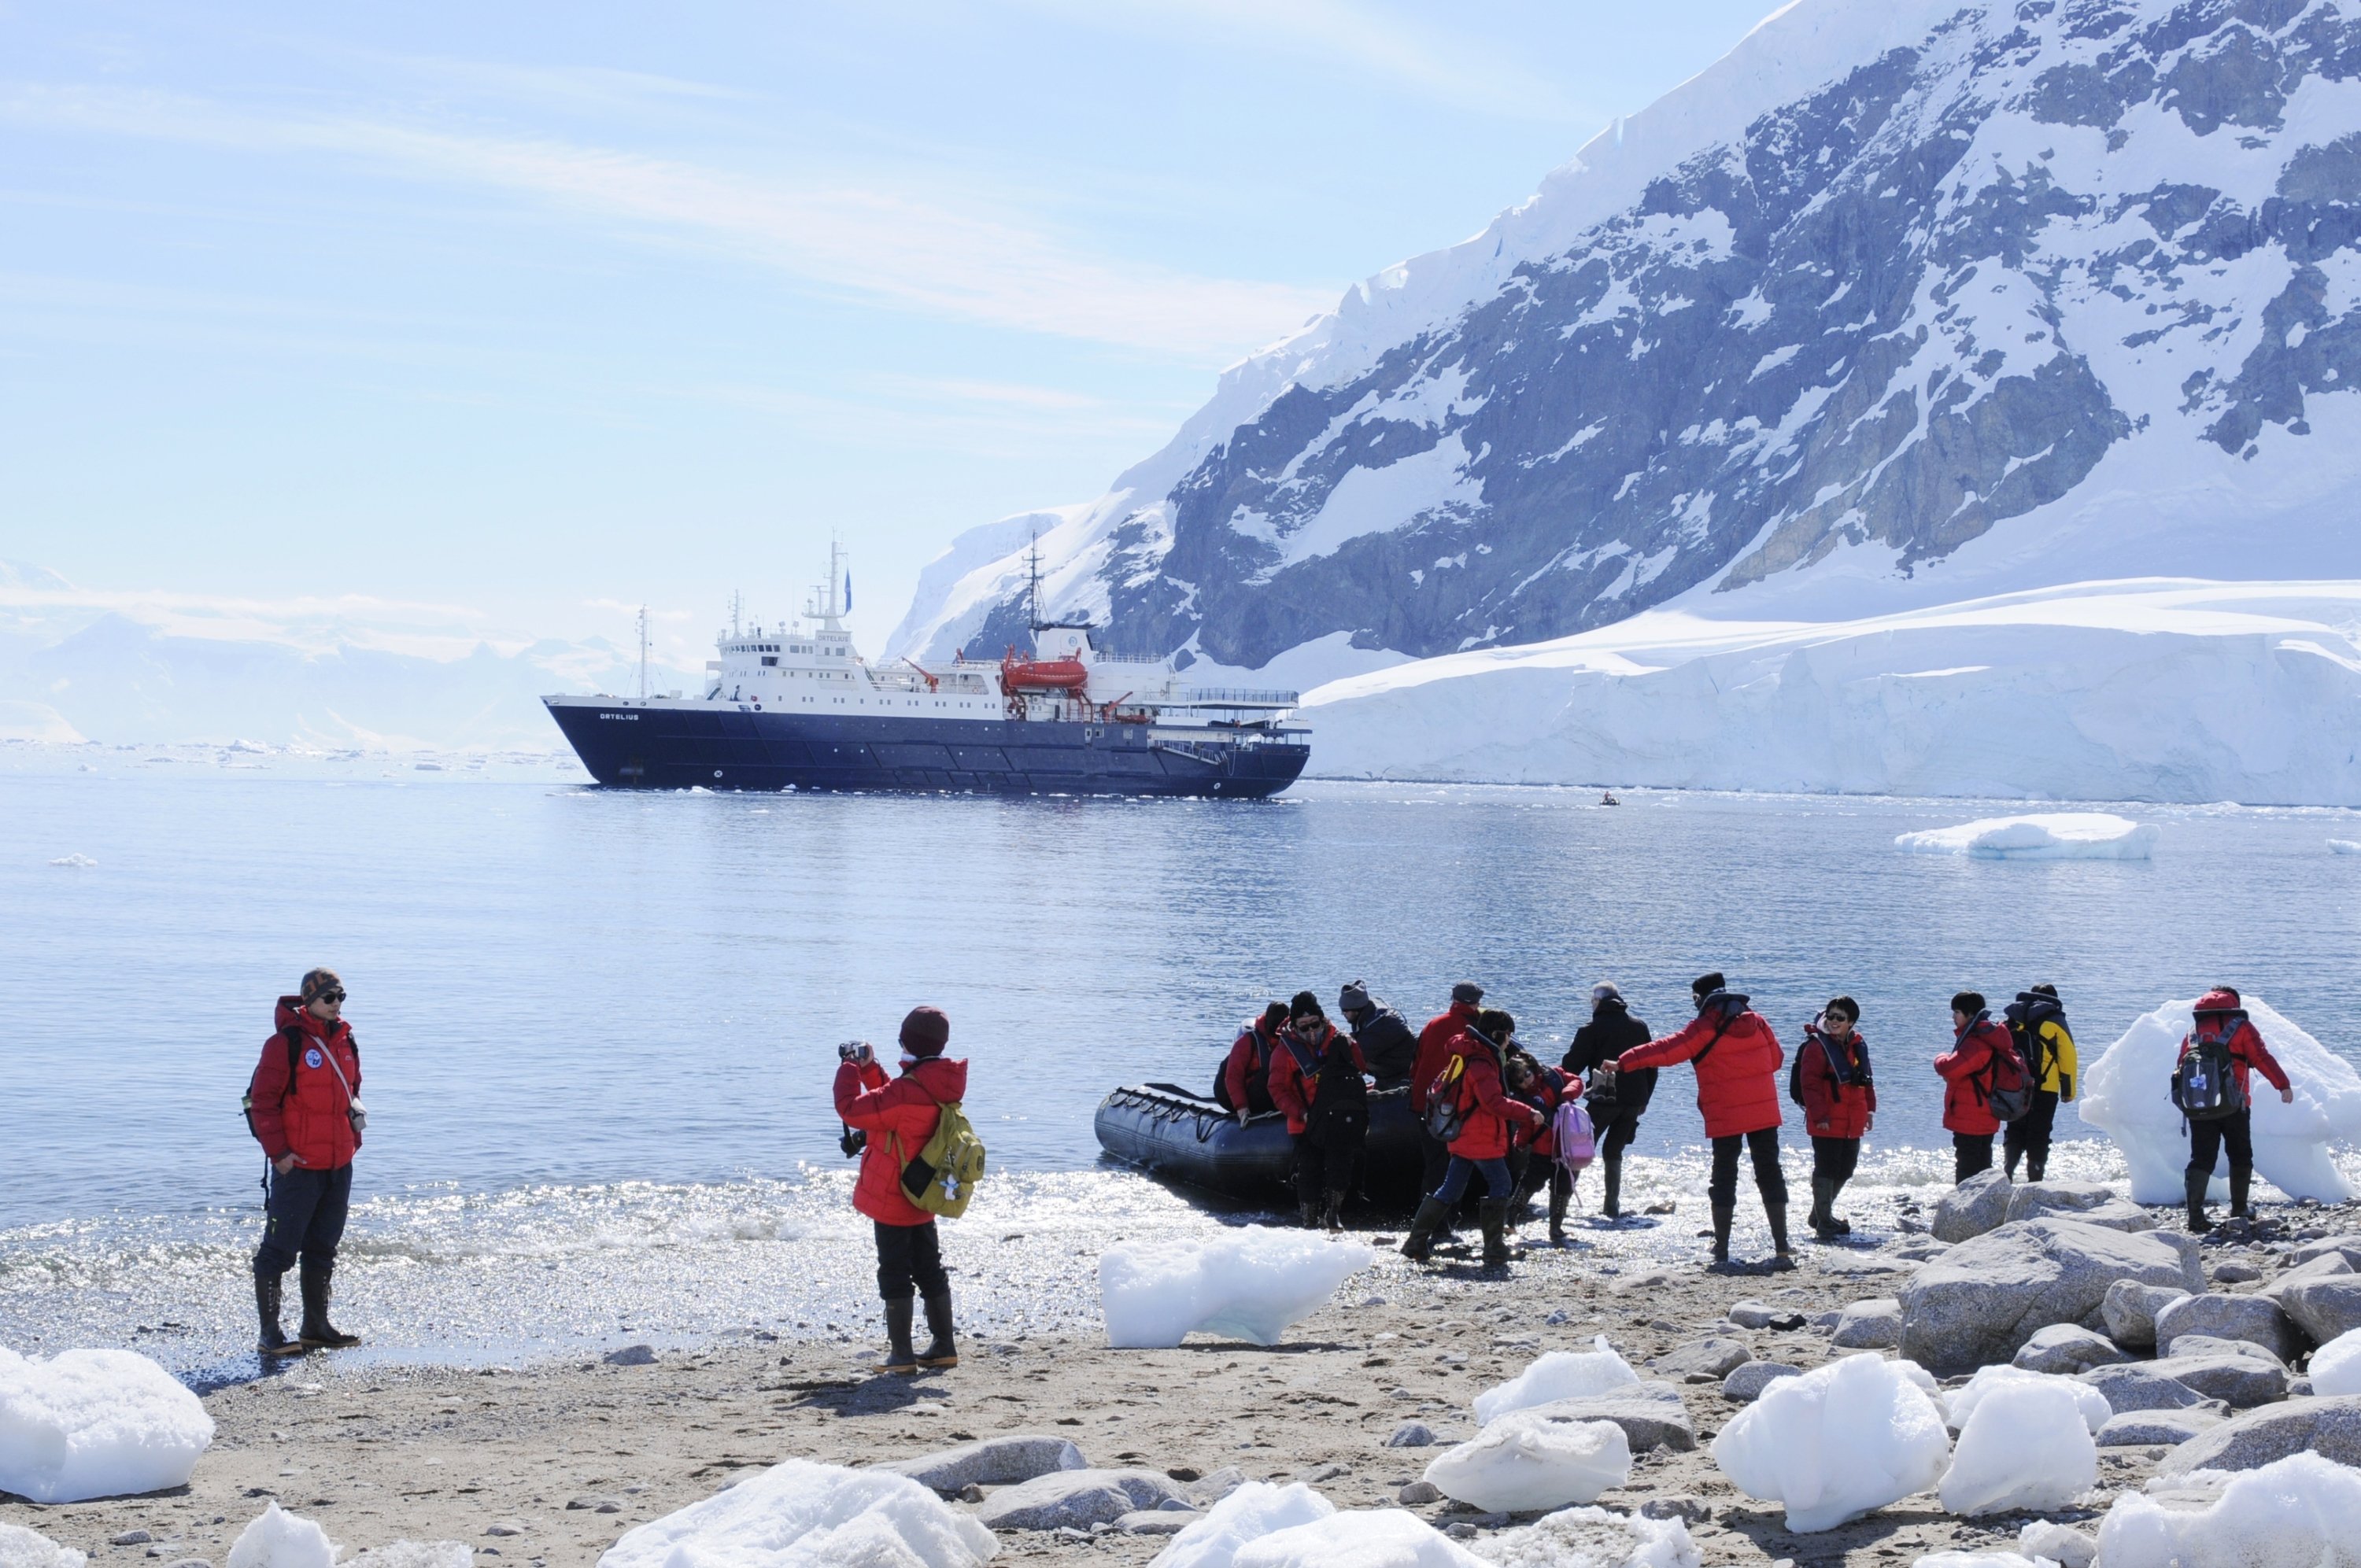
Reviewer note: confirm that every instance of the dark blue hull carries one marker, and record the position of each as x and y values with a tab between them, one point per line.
719	746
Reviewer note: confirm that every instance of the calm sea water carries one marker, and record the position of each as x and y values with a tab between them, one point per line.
566	997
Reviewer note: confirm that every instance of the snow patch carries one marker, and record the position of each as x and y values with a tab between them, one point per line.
803	1515
1251	1283
1379	500
1834	1443
2052	835
95	1423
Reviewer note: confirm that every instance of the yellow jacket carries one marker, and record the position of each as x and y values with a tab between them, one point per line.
2064	1068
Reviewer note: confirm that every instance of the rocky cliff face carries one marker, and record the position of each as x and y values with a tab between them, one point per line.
1900	273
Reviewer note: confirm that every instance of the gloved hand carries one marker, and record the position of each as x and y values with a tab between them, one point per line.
1242	1114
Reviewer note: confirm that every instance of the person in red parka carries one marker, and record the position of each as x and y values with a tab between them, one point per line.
1543	1088
2220	1020
1977	1040
1737	1058
1320	1080
1478	1087
1434	1044
303	1107
1243	1086
898	1115
1840	1102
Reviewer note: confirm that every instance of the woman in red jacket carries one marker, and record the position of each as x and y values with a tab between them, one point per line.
1839	1104
2222	1022
899	1115
1737	1060
1967	1070
1478	1090
1544	1089
1319	1079
1243	1086
302	1105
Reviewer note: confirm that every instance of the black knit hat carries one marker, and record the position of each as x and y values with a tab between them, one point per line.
1468	992
1705	985
1967	1001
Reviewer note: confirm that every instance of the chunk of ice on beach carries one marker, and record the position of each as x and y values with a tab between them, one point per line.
1524	1461
2043	836
2302	1511
1248	1513
1361	1538
2336	1366
803	1515
1251	1283
95	1423
2127	1093
1592	1538
2025	1446
1560	1374
1834	1443
22	1548
1960	1404
280	1540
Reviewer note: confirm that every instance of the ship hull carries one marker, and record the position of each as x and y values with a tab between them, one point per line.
629	745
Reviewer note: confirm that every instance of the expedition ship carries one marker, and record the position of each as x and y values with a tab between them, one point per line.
798	707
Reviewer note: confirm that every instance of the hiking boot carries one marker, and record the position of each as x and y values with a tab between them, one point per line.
1723	1213
940	1352
2034	1166
1420	1243
1332	1218
273	1340
317	1332
1784	1257
2195	1183
1558	1202
899	1357
1492	1214
2241	1182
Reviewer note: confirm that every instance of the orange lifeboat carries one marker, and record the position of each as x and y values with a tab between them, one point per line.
1066	675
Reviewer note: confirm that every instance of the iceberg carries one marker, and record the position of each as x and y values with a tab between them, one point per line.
1251	1283
2297	1512
2127	1094
1834	1443
280	1540
804	1515
2026	1446
1560	1374
95	1423
1250	1512
2045	836
1525	1462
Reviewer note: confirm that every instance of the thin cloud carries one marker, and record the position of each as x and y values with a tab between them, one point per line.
845	239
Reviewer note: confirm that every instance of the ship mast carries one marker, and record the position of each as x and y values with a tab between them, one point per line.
643	653
1033	582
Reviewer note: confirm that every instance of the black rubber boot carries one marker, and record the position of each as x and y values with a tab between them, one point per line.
268	1289
2035	1165
1841	1227
1558	1200
1423	1226
1611	1205
2196	1182
941	1351
1723	1213
1332	1218
899	1357
1784	1256
1309	1210
2242	1182
318	1332
1492	1214
1823	1218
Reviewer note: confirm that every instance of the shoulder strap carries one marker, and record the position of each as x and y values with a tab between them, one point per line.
1719	1029
293	1036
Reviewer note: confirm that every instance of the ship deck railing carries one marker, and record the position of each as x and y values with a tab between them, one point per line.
1230	696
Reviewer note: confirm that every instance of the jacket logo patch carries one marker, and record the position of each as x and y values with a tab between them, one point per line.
312	1056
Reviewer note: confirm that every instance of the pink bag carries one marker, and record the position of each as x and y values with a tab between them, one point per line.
1577	1146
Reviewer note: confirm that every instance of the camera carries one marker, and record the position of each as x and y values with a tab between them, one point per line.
853	1141
854	1050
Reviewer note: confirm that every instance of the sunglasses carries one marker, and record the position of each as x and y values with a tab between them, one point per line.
337	996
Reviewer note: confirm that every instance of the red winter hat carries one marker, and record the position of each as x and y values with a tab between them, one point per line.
926	1032
2221	998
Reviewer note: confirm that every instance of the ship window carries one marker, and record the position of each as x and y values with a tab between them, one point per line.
769	661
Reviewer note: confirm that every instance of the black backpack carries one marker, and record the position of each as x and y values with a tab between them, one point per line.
2026	1017
2205	1080
1340	1104
2006	1087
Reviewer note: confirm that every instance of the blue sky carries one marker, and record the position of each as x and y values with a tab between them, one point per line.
534	311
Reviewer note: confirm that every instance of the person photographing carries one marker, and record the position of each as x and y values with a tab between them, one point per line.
304	1106
899	1115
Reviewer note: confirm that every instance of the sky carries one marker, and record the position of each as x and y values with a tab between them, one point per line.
530	314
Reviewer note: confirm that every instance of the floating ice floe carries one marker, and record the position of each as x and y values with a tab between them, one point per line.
22	1548
1960	1404
75	862
280	1540
2044	836
2336	1366
1834	1443
1371	1538
1250	1512
1524	1461
2025	1446
803	1515
95	1423
2302	1511
1251	1283
2127	1093
2344	847
1593	1538
1560	1374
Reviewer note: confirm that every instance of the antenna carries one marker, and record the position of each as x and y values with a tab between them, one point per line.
1033	580
643	653
736	609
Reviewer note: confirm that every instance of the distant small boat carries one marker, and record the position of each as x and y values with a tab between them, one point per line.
1606	797
1186	1136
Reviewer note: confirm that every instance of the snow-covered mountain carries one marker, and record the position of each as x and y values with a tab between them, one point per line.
1901	303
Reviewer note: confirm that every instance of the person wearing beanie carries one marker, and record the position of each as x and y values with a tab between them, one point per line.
1833	1084
1434	1051
1615	1101
302	1105
1243	1085
898	1115
2222	1030
1737	1058
1318	1078
1977	1046
2037	1024
1385	1039
1489	1117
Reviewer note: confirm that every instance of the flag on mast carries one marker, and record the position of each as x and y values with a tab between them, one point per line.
848	593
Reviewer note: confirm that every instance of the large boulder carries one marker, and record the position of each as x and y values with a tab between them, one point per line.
2244	1381
2327	1266
1703	1361
2330	1428
1873	1324
2139	1386
2129	1310
2346	1247
993	1462
1981	1300
2324	1308
1651	1414
1745	1385
1078	1499
2067	1349
2085	1201
2160	1428
2250	1318
1975	1206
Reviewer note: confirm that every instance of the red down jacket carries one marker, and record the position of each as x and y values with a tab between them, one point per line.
2218	1011
1967	1074
1246	1072
1491	1111
1738	1077
905	1109
1550	1088
1291	1089
1435	1048
306	1116
1833	1108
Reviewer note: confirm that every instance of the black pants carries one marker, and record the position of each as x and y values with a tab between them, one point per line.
1833	1159
1764	1147
1970	1155
908	1255
2030	1136
1325	1155
2207	1140
1435	1158
306	1212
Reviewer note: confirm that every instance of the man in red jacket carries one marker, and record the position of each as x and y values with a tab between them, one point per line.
1318	1078
303	1107
1737	1058
1243	1086
2222	1022
1480	1091
1840	1098
1968	1068
899	1115
1435	1044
